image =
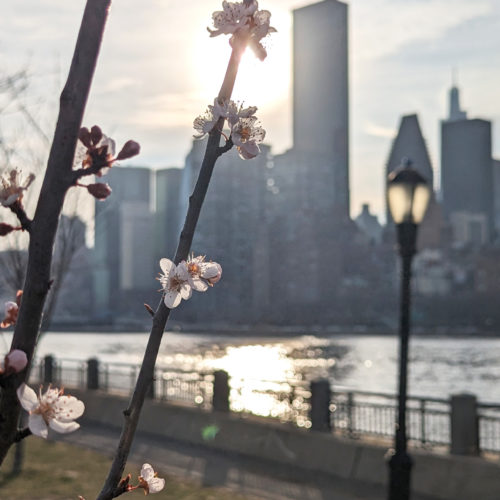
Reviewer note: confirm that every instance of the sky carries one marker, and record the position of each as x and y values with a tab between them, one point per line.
159	69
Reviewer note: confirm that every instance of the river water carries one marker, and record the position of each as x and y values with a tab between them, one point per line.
438	366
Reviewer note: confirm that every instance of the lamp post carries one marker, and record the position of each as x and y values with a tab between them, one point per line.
408	196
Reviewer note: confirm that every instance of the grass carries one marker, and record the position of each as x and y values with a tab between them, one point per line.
58	471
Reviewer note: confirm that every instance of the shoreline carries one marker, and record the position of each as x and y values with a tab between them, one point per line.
276	331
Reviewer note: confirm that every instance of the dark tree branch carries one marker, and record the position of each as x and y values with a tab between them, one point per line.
224	149
21	434
58	179
25	221
146	375
92	170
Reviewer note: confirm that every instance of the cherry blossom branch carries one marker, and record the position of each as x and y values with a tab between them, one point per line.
111	488
58	178
82	172
25	221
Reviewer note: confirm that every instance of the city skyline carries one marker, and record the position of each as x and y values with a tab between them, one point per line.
411	48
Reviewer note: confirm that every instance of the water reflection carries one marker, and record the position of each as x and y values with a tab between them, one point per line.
261	366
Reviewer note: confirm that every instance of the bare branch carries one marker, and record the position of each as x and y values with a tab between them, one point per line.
25	221
58	179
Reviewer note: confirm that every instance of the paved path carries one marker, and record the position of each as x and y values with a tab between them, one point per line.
256	479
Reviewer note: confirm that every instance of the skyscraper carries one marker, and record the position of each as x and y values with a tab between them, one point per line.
410	143
320	92
124	266
467	175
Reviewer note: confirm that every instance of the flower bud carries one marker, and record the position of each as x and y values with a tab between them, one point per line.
95	134
215	279
5	229
84	136
130	148
99	190
15	361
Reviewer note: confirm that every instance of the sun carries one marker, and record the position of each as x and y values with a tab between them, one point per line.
259	83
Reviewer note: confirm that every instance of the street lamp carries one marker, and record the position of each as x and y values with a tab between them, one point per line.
408	197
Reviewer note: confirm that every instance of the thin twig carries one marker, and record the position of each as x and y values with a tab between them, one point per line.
25	221
94	169
110	489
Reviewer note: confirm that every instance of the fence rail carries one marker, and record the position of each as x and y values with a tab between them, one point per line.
352	413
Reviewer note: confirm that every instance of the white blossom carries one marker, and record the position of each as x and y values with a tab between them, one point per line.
261	28
12	187
150	481
247	134
204	124
174	282
237	17
232	17
202	274
51	409
11	311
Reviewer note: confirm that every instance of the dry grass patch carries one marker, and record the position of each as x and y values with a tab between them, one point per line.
58	471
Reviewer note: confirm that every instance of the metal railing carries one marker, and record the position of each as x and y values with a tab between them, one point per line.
352	413
358	413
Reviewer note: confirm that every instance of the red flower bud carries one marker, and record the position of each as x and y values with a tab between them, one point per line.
95	134
5	229
15	361
130	148
100	190
84	136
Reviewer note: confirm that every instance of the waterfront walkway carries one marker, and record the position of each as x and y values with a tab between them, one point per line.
255	479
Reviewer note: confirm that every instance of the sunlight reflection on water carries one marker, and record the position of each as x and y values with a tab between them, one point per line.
264	370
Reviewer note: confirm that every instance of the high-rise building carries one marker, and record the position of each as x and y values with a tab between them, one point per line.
321	93
124	266
229	231
467	175
168	214
410	143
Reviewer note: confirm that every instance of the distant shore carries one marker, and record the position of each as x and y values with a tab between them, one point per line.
273	330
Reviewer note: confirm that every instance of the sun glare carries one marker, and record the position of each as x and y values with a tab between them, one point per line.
259	83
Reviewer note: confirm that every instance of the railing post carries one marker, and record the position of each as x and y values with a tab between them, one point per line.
93	374
320	405
220	401
350	406
464	423
48	369
422	422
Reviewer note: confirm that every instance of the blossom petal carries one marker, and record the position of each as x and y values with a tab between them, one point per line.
156	484
63	427
182	271
27	397
198	284
69	408
172	299
147	472
166	266
210	269
37	426
186	291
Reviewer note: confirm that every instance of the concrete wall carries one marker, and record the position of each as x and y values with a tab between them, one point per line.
442	477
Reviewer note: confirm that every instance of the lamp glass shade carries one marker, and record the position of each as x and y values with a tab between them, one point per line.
421	197
408	196
399	196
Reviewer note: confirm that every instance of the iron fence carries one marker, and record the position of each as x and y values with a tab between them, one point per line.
358	413
352	413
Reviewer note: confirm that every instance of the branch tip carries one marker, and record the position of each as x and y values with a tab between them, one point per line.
149	309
